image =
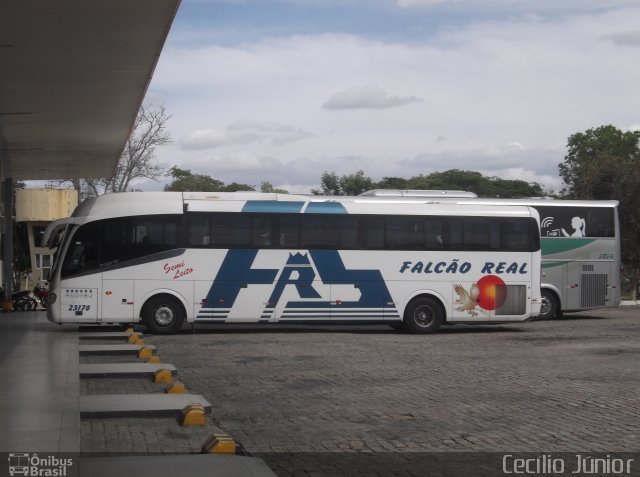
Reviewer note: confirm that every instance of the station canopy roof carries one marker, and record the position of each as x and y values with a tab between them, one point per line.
73	74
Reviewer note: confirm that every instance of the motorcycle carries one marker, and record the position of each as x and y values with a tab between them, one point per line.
41	294
23	301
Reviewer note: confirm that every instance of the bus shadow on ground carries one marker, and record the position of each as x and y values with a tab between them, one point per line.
579	317
343	329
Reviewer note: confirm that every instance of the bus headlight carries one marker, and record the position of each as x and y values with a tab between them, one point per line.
51	299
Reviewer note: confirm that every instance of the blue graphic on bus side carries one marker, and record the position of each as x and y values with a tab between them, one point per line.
236	273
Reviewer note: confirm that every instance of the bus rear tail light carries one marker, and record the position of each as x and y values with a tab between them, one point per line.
51	299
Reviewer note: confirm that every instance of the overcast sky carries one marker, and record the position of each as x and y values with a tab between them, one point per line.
281	90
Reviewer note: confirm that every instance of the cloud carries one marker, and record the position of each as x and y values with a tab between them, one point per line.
242	133
208	138
367	97
488	83
276	132
540	162
522	6
413	3
627	38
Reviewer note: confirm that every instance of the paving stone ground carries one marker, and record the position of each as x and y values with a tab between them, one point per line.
296	394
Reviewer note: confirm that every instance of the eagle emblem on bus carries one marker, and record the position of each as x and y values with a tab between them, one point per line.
468	300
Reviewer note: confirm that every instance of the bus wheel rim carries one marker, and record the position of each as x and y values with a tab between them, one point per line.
545	306
164	315
423	316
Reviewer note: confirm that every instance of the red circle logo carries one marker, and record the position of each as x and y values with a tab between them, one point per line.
492	292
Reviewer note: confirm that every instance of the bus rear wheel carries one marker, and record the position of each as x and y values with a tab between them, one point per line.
423	315
163	314
550	308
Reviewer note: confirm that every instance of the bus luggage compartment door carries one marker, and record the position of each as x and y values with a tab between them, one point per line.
594	286
117	301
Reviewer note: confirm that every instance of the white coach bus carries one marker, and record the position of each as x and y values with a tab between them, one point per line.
580	241
167	258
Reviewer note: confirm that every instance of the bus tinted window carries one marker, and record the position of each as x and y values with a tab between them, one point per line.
433	234
83	254
155	232
405	233
372	230
199	231
231	230
480	234
107	242
348	233
576	221
454	239
516	235
152	235
261	231
117	242
319	231
288	232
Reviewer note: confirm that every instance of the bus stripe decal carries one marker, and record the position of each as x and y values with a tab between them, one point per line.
559	245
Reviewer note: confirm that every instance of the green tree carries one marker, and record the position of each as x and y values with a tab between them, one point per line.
347	184
453	179
603	163
329	185
355	184
267	187
392	183
472	181
185	181
235	187
596	160
510	188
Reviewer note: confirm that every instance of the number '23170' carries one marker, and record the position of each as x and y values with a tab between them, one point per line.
79	307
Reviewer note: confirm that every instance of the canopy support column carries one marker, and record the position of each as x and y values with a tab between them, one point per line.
7	243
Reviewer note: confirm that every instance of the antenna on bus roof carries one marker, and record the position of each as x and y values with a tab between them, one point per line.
418	193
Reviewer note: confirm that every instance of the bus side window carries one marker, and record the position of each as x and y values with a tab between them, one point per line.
288	232
261	231
348	233
513	236
319	231
198	231
454	238
230	230
154	234
600	222
433	234
372	233
405	233
83	252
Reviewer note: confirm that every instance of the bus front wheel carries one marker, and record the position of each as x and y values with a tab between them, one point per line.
423	315
550	307
163	314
